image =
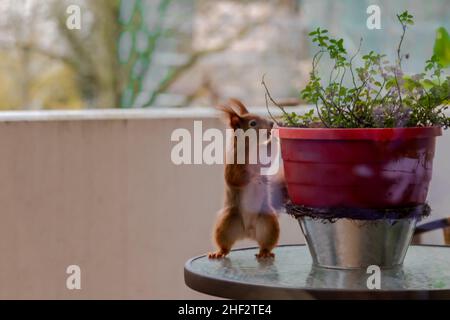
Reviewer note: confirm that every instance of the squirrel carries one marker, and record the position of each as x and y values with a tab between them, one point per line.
248	212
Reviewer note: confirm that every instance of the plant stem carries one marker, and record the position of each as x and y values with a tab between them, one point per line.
270	113
399	49
351	62
399	62
288	117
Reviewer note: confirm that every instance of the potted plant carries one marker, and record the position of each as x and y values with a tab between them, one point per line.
358	165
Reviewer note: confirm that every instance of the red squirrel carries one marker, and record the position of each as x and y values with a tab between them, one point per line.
247	213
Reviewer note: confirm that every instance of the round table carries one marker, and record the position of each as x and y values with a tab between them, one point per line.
424	275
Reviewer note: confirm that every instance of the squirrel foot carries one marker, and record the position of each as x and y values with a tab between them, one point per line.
217	255
265	254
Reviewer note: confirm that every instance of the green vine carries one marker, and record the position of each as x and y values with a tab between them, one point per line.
380	95
139	61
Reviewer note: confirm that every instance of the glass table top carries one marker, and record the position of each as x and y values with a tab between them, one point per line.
426	268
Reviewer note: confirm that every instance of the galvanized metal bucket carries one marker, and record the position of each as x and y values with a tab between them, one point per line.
356	279
355	244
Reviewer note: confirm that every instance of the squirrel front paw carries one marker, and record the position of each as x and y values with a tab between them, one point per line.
217	255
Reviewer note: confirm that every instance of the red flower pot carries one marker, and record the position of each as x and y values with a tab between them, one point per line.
358	168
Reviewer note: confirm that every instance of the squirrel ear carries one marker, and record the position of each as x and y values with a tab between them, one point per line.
231	117
239	105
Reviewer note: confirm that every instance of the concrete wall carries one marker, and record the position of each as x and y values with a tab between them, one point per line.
98	189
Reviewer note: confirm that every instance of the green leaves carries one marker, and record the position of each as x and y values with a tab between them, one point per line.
334	47
442	47
434	66
319	37
411	84
405	18
380	95
306	120
428	84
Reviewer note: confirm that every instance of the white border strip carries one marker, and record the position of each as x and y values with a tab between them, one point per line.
127	114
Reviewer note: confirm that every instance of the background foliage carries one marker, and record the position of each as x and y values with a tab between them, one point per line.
172	53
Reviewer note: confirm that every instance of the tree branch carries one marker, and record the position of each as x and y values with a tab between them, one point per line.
196	56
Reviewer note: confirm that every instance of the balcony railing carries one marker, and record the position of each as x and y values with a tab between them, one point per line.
98	189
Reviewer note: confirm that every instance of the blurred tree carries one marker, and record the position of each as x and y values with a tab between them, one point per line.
9	98
148	26
92	51
130	53
142	53
85	60
20	23
137	45
63	82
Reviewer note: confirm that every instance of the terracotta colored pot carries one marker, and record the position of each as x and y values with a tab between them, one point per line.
358	168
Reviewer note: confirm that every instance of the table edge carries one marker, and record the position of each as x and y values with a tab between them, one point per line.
225	288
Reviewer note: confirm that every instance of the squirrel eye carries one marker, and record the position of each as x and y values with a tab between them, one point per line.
252	123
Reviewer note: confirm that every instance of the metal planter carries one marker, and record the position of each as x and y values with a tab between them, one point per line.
355	244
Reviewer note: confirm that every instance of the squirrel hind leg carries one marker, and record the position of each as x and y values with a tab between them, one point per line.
267	234
228	230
